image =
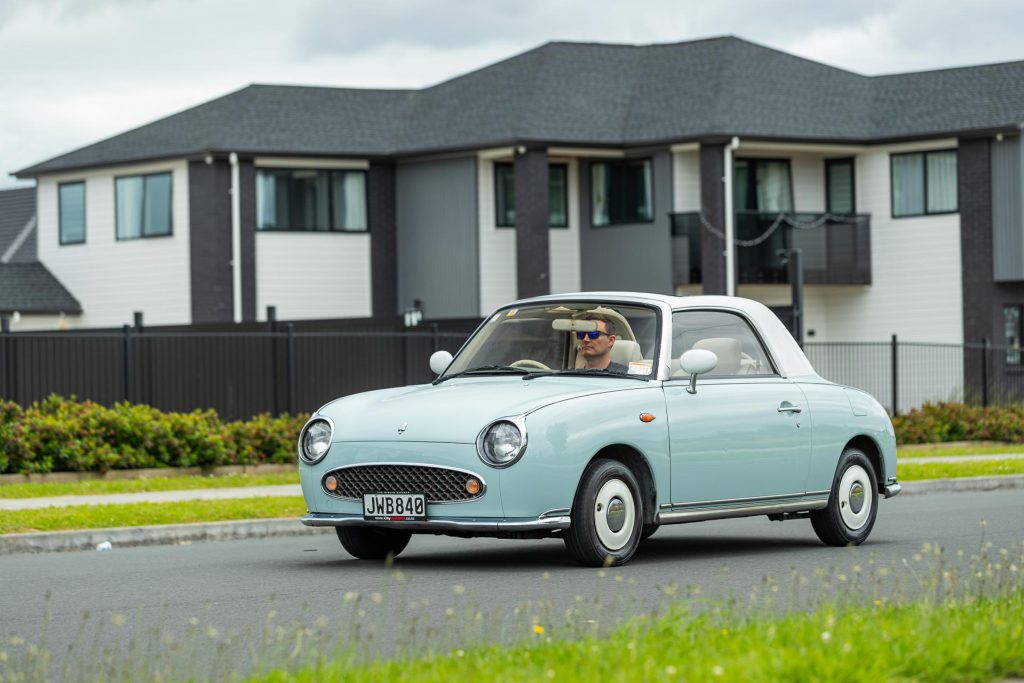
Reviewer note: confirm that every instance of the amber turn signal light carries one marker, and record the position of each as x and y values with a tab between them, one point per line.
646	417
473	486
331	483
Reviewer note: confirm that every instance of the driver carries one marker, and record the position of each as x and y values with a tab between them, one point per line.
596	346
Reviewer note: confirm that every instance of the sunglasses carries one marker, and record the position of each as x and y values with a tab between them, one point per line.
593	334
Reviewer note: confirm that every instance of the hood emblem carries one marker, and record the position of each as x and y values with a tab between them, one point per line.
402	428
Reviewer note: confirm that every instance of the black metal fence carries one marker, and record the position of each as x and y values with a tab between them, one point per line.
239	374
242	373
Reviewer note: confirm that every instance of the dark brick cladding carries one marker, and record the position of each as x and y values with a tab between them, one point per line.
382	220
532	240
712	205
983	298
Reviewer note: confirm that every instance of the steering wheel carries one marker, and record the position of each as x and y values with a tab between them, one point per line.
529	363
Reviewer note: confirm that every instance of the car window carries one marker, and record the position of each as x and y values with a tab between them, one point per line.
728	335
543	337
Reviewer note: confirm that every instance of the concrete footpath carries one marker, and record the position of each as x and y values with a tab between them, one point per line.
171	534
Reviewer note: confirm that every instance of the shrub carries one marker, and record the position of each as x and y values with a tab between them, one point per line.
58	434
940	422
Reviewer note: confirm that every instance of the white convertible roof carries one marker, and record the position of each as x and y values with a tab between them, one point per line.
787	353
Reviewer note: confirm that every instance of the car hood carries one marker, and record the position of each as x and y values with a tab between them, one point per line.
456	410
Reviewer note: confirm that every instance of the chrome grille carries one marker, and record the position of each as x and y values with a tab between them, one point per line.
440	484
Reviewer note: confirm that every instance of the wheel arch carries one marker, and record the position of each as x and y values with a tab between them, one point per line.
638	465
874	453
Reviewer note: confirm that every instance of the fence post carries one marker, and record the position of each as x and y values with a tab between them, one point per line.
895	376
127	356
435	329
275	382
984	372
7	345
290	367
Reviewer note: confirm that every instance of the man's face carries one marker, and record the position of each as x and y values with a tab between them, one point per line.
596	348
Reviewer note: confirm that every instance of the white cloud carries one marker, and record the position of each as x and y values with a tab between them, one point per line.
77	71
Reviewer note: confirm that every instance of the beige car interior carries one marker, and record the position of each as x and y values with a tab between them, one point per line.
731	358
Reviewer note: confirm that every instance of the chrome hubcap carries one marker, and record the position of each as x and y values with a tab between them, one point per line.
614	514
855	497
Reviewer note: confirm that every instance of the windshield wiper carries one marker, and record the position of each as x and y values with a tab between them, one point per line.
589	373
497	369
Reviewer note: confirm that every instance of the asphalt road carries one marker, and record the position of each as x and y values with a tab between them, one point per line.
234	586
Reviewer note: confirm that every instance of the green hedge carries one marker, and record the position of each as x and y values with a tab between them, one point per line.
940	422
61	435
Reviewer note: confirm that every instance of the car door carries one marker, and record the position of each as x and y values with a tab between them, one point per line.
745	435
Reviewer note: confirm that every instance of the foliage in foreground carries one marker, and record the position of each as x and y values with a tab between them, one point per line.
939	618
61	435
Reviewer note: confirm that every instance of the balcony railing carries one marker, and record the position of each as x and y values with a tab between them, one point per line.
836	250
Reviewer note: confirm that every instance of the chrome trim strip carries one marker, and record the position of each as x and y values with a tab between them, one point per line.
730	501
683	516
442	524
892	489
471	473
558	512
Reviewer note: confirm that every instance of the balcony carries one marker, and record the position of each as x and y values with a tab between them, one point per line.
836	250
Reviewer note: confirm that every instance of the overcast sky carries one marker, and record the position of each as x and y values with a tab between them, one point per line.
77	71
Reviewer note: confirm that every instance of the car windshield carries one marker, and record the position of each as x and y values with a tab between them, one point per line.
555	338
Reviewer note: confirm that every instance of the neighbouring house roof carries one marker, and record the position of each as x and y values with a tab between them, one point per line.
17	225
31	288
584	93
25	284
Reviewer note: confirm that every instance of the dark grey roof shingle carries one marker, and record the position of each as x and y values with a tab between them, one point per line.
17	209
31	288
584	93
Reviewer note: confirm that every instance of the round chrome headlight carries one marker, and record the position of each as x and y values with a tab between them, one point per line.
315	440
502	442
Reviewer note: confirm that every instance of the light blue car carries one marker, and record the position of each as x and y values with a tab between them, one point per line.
598	417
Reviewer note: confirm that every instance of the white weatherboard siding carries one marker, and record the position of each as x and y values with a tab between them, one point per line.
111	278
498	245
313	275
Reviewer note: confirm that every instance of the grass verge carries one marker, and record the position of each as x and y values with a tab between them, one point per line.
140	514
911	471
94	487
938	450
959	640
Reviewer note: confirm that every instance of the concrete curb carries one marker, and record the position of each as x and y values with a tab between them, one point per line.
169	534
57	541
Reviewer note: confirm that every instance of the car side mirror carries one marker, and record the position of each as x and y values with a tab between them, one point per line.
697	362
439	361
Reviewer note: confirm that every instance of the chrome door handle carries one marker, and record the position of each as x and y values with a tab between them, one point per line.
790	409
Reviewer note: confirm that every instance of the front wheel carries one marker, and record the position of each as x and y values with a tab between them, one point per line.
607	516
369	543
852	502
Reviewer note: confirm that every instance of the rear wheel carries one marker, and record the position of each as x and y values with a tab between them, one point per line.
852	503
370	543
607	516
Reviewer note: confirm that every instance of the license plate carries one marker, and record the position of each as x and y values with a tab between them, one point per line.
394	507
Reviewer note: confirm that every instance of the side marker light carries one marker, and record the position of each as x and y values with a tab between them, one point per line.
646	417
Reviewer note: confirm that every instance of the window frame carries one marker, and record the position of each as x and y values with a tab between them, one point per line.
839	161
1017	364
924	170
170	207
620	162
330	200
755	332
60	214
504	165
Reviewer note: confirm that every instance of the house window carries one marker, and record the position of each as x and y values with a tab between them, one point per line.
71	211
311	200
1012	319
839	188
924	183
762	185
143	206
505	195
620	192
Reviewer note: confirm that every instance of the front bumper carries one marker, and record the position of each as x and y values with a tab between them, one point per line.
486	526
